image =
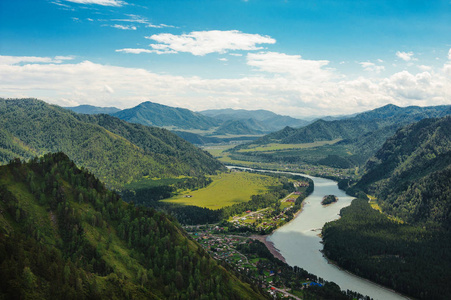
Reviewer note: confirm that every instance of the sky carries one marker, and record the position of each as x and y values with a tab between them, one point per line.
294	57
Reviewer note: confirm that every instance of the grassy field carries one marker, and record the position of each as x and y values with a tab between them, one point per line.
226	189
276	147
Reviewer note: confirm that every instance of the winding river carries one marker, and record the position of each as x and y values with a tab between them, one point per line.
300	245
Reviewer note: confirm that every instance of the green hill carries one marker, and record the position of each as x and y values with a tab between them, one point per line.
154	114
271	121
116	151
63	235
241	127
360	137
411	174
92	110
405	245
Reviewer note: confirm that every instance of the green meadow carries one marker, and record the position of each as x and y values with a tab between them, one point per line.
226	189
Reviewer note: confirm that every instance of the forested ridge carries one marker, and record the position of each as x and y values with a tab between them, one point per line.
115	151
64	235
406	247
359	137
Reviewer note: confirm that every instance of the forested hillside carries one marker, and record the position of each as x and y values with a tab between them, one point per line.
359	137
115	151
411	174
406	247
64	235
154	114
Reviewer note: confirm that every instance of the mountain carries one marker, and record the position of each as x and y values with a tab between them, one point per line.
355	139
114	150
411	174
153	114
268	119
356	126
92	110
241	127
63	235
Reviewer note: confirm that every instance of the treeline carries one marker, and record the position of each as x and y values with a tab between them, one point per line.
411	259
64	235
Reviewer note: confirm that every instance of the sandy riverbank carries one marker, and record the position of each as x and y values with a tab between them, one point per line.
269	245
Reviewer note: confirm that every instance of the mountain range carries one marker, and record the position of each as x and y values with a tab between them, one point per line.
355	139
114	150
211	123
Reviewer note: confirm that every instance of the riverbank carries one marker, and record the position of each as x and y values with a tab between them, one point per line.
270	245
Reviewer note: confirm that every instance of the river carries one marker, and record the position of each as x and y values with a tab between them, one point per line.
300	245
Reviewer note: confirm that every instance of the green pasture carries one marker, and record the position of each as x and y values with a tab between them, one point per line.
276	146
226	189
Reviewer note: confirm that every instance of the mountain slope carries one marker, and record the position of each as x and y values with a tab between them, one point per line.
270	120
241	127
114	150
360	124
411	173
153	114
64	236
92	110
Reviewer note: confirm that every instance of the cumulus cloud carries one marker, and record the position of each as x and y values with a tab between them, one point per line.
406	56
205	42
124	27
449	54
313	90
116	3
372	67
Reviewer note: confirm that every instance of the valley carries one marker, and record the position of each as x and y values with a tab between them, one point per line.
220	208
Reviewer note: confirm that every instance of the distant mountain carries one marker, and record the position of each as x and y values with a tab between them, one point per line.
241	127
268	119
154	114
63	235
357	126
114	150
92	110
411	174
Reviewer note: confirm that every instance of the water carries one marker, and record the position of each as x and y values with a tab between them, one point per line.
300	245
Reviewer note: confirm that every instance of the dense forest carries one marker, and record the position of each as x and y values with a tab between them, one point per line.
411	259
407	246
115	151
64	235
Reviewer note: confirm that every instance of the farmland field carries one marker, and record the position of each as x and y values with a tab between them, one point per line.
226	189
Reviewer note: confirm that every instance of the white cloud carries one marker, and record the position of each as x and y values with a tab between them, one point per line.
406	56
424	68
372	67
312	90
12	60
205	42
141	20
235	54
274	62
116	3
135	50
124	27
449	54
223	59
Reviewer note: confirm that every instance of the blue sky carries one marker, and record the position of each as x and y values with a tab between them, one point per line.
296	58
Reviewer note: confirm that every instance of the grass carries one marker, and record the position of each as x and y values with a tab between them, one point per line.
227	189
276	147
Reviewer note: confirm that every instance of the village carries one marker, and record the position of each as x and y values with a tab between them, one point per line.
224	247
